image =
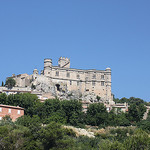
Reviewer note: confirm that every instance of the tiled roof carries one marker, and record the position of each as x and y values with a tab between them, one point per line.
8	106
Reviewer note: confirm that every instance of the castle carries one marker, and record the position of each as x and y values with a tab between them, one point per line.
64	82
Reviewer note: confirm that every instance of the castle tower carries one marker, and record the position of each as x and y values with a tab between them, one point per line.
108	86
35	72
64	62
47	66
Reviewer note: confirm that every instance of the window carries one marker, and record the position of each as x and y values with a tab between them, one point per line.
0	109
78	83
70	82
86	78
93	83
94	76
102	76
102	83
9	110
57	73
68	74
18	111
78	76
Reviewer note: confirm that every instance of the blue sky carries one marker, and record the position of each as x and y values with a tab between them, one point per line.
94	34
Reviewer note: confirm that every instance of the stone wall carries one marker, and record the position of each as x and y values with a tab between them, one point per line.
62	81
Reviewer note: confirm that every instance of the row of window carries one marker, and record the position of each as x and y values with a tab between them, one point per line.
78	76
93	83
9	111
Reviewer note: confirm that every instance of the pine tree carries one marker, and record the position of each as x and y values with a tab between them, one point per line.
2	83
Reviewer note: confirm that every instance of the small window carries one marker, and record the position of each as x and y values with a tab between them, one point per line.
70	82
0	118
77	83
86	78
57	73
0	109
94	76
18	111
102	83
102	76
78	76
9	110
68	74
93	83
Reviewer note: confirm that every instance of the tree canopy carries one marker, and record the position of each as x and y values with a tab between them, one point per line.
10	82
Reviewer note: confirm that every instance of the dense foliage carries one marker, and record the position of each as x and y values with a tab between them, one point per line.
10	82
41	126
70	112
34	136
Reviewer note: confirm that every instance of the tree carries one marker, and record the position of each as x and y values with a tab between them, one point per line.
52	137
2	83
117	119
136	112
97	114
139	141
10	82
133	114
3	98
73	112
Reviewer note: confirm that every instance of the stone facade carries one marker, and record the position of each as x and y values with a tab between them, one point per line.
67	83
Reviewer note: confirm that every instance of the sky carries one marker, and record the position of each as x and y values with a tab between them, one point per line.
94	34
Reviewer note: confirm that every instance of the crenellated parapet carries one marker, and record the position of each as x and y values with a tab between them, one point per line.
64	62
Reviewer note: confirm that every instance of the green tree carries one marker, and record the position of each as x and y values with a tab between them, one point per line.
133	114
97	114
111	145
2	83
144	124
139	141
117	119
56	117
73	112
52	136
28	121
10	82
136	112
3	98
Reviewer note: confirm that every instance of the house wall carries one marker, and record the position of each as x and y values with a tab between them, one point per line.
14	112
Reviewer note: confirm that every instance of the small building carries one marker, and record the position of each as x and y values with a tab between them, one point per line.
123	107
14	90
13	111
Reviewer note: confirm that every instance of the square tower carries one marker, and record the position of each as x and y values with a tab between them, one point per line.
64	62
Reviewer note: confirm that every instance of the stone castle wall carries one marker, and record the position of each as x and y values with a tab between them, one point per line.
97	82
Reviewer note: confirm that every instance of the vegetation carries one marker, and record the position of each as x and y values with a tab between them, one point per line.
10	82
41	128
2	83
